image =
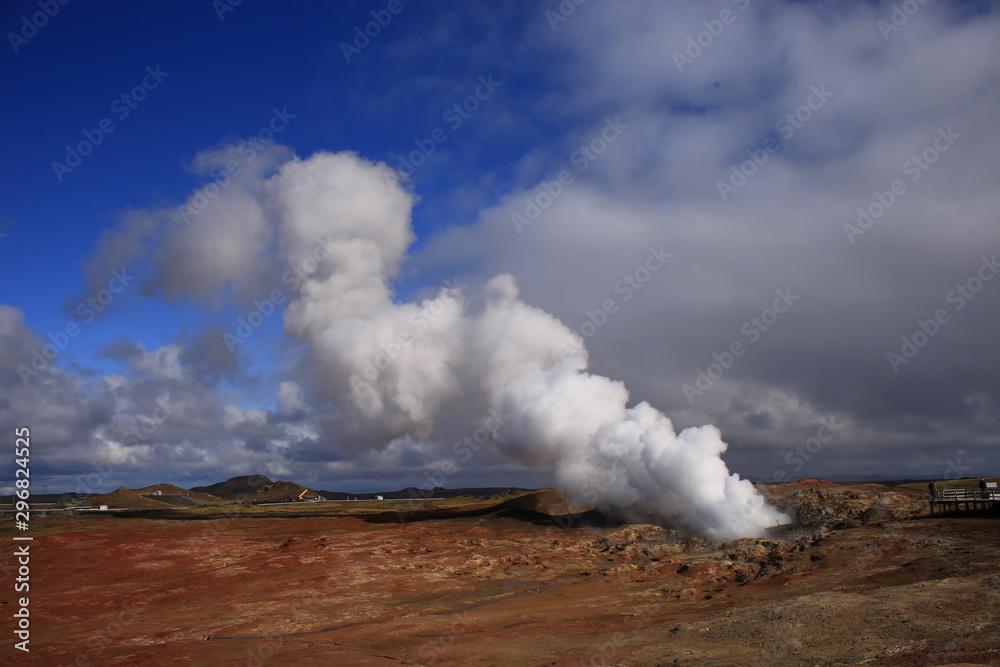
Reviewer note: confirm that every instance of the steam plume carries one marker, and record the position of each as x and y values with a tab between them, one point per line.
427	369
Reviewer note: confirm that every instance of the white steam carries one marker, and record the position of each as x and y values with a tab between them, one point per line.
331	232
429	369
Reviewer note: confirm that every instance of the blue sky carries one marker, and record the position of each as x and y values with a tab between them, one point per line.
223	79
679	124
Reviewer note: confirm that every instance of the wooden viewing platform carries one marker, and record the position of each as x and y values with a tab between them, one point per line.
965	500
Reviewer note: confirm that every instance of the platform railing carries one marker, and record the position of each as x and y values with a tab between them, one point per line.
967	494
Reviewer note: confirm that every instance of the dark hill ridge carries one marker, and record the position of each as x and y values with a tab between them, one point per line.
176	496
280	492
232	489
258	489
263	489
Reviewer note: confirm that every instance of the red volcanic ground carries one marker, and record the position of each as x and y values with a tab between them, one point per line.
503	585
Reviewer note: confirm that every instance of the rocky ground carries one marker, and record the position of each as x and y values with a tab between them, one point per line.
866	578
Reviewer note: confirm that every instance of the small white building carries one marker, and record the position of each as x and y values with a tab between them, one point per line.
379	498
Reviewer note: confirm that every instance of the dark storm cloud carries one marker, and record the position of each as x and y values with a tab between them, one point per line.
120	349
853	112
209	356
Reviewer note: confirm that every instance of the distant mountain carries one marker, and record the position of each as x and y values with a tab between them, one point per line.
282	492
878	479
260	488
175	495
412	492
231	489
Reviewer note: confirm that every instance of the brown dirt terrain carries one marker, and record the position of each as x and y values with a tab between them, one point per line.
489	586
